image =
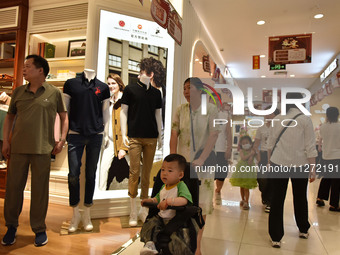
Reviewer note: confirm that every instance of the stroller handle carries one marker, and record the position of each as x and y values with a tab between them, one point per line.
154	205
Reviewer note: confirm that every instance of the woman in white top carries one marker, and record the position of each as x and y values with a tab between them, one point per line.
295	147
261	140
192	132
330	144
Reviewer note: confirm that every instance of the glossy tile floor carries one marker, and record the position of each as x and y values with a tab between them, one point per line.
231	230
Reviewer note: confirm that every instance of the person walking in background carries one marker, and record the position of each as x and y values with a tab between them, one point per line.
329	143
293	146
245	179
223	148
34	108
261	140
194	136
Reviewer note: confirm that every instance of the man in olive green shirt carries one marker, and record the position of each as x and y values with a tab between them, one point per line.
34	108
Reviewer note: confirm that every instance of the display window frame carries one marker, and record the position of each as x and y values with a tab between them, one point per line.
114	26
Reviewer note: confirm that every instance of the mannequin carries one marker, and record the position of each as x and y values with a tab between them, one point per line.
90	74
86	99
141	124
158	116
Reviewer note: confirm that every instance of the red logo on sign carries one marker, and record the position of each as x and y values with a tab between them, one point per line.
121	23
97	91
139	26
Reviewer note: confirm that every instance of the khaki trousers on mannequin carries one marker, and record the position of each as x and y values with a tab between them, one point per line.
137	146
16	181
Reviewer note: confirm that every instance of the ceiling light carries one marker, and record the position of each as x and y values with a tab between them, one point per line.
196	59
292	75
264	88
200	62
263	76
318	16
261	22
262	56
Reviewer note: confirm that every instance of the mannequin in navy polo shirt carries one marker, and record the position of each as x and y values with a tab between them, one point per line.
87	101
141	125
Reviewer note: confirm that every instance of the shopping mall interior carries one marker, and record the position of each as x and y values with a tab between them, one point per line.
264	47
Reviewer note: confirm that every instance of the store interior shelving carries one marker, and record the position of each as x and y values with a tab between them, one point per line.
62	65
7	60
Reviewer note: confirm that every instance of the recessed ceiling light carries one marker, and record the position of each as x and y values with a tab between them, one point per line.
262	56
263	76
196	59
261	22
264	88
292	75
318	16
200	62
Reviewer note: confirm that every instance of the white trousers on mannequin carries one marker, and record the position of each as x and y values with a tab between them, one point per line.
104	164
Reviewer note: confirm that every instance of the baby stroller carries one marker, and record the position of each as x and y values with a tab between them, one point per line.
179	235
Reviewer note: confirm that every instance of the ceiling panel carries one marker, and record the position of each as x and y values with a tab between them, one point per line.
232	24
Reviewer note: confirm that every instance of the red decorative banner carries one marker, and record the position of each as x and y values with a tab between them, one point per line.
216	75
328	87
256	62
206	64
175	27
319	94
160	10
313	100
290	49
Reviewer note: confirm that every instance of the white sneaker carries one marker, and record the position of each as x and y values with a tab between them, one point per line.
143	213
86	219
133	214
218	199
74	222
245	206
304	235
276	244
133	219
149	249
267	209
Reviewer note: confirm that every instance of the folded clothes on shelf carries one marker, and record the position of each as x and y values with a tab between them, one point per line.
4	76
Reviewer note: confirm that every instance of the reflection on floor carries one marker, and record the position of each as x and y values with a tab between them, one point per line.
231	230
110	237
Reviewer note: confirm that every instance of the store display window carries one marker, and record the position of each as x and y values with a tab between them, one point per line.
123	42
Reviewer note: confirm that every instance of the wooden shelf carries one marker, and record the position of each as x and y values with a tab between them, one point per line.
56	82
3	175
6	80
67	61
7	63
6	85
